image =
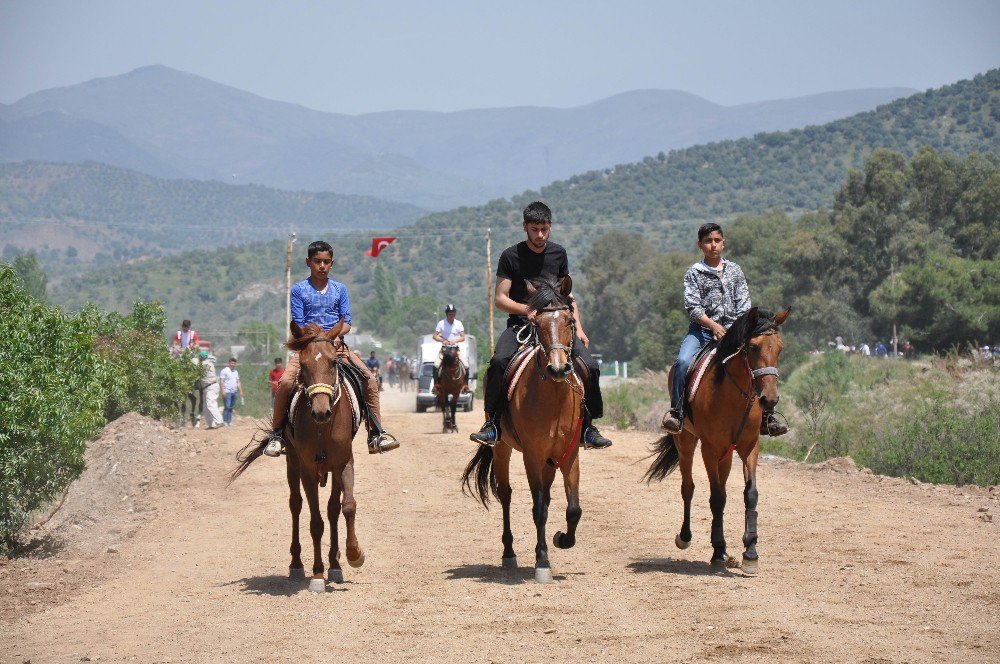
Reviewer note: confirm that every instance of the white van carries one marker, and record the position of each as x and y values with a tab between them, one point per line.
427	354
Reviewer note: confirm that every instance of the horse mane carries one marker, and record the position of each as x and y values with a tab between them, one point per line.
750	324
310	332
546	292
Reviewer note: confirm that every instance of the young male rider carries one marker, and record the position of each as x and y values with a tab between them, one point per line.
534	258
715	295
450	332
325	302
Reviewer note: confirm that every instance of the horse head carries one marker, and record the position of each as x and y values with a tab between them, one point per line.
756	338
554	323
318	361
449	355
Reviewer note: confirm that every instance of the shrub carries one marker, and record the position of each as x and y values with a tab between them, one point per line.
66	376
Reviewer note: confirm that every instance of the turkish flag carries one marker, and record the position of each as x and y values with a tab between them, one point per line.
378	244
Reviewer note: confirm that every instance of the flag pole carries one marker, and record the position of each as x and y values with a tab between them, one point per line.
489	281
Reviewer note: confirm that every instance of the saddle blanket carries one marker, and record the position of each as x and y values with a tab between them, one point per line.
697	372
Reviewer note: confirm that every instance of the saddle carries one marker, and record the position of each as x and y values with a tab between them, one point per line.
349	382
700	363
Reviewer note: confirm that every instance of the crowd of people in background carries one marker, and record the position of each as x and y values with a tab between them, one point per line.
203	399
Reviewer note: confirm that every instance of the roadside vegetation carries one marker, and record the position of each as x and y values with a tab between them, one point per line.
66	376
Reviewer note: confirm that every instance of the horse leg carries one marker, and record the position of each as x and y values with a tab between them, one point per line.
454	407
571	478
540	481
355	555
335	574
296	569
501	469
750	503
717	501
685	443
311	486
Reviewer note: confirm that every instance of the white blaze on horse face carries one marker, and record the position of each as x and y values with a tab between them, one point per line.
319	355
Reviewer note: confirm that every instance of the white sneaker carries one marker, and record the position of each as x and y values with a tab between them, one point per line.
272	449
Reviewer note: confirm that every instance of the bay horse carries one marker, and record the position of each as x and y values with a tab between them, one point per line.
543	422
451	381
725	415
319	445
404	376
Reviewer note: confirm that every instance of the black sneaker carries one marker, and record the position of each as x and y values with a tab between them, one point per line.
488	435
770	426
592	438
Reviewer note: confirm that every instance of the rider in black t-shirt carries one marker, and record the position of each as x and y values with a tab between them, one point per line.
534	258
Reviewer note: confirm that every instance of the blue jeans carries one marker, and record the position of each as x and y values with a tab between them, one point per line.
229	405
697	337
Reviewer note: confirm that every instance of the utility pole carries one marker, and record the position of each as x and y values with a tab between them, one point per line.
288	282
489	281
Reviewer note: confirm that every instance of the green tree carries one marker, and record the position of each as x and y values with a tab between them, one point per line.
31	274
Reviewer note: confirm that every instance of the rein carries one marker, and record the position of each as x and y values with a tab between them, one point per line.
750	394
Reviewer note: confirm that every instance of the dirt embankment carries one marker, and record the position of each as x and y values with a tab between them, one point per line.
153	559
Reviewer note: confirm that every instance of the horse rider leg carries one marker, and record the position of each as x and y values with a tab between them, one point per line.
378	439
592	438
274	443
493	394
697	336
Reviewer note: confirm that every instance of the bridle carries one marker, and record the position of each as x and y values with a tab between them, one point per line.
752	392
532	335
325	388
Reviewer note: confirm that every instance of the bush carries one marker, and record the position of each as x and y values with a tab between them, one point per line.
942	444
66	375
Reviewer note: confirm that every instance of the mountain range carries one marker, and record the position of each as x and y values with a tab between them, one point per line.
173	124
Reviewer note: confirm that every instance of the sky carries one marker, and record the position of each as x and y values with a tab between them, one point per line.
359	57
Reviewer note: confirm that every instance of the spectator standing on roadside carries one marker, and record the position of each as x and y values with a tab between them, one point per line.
231	388
274	376
881	350
209	385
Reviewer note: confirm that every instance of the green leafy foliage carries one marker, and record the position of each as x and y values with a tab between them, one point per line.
67	375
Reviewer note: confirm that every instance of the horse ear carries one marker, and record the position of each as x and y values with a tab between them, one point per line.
531	288
782	317
566	285
295	329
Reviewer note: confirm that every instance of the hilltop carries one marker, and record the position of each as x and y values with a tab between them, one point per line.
174	124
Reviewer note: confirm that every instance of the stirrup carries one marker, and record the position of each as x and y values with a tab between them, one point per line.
380	443
274	445
673	421
770	426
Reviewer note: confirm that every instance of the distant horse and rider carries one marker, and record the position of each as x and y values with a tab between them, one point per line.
450	384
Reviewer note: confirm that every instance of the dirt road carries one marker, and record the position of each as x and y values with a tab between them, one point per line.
853	568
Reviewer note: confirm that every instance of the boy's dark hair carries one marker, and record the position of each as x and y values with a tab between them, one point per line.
277	359
537	213
710	227
318	246
232	359
185	323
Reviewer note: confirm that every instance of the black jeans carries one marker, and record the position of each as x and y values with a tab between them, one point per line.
495	397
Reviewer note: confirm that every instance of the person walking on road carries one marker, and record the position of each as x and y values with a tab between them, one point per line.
231	388
209	385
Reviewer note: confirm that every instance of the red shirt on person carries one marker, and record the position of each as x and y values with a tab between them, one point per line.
274	376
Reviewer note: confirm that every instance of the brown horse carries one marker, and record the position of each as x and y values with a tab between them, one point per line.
319	445
542	422
725	415
451	381
404	376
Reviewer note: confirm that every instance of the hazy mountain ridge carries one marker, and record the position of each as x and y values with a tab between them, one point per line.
205	129
664	199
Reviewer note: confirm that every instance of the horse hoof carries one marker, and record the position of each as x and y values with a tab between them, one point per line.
317	585
543	574
510	563
335	576
681	544
561	541
296	573
724	562
749	566
357	562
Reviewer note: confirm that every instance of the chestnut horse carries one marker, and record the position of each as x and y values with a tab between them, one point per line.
319	445
543	422
451	381
725	415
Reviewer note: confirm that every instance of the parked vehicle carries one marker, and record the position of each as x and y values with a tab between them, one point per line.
427	353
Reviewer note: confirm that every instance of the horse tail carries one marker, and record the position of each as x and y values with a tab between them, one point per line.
481	465
246	456
667	458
